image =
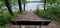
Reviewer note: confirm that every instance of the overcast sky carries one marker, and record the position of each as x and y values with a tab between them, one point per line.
32	0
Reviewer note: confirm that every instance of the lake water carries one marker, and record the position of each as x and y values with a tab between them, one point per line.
32	6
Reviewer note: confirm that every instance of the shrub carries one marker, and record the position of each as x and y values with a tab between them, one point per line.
50	13
4	19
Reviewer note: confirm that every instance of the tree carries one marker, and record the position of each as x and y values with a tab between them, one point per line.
24	2
44	4
20	8
44	1
8	5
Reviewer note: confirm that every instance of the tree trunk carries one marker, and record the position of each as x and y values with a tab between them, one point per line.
8	5
24	6
20	8
44	4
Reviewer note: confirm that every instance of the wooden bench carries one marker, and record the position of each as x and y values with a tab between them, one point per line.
34	22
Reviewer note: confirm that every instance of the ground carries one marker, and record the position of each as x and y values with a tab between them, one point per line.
31	16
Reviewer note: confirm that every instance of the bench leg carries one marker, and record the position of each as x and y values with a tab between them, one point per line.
39	26
20	26
35	26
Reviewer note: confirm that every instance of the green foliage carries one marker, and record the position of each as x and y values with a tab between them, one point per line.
14	2
51	1
2	3
50	13
4	19
1	27
24	1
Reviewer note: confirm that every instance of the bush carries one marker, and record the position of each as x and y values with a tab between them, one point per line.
4	19
50	13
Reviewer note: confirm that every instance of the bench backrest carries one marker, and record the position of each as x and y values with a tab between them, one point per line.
44	22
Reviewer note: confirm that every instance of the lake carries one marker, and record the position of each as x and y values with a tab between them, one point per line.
29	6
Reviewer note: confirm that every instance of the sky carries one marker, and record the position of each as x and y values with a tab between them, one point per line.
33	0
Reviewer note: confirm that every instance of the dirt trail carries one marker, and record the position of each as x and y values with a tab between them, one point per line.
31	16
